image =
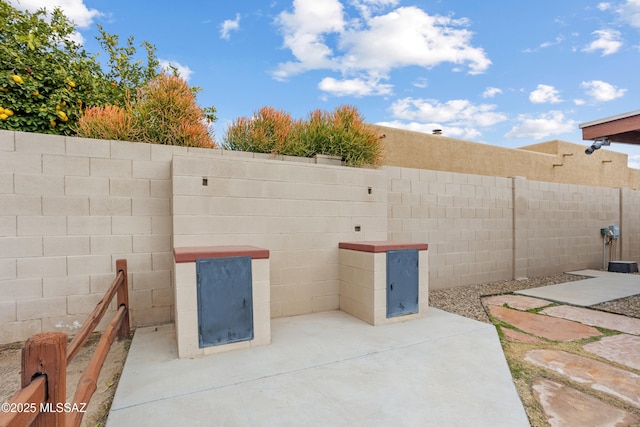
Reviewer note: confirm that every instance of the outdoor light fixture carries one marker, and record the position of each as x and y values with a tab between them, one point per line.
597	144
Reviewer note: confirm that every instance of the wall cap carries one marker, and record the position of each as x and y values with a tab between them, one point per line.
191	253
381	246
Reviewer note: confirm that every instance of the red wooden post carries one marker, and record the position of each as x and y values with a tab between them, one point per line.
46	354
123	299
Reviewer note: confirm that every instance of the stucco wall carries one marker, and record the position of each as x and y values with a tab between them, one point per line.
552	161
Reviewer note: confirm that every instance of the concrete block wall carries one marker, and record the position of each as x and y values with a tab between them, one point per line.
629	225
298	211
69	207
466	219
558	226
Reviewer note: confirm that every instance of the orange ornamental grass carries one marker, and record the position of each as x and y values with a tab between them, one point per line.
342	133
165	112
108	122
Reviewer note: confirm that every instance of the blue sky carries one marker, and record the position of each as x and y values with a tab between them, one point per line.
504	72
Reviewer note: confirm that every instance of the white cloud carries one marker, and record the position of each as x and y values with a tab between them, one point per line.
604	6
409	36
545	94
542	126
320	38
75	10
304	34
229	25
608	41
355	87
183	71
629	11
459	117
558	40
634	161
368	7
450	131
422	82
602	91
491	92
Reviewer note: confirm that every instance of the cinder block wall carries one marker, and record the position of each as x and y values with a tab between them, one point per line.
558	226
630	224
299	211
69	207
466	219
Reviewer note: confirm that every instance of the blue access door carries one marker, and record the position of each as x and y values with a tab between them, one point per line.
225	300
402	282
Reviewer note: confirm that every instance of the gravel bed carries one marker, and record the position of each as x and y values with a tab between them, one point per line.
465	300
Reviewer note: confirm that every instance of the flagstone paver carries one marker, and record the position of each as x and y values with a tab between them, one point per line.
597	375
566	406
544	326
512	335
616	322
519	302
624	349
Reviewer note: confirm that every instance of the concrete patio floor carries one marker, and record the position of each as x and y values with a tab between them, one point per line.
331	369
326	369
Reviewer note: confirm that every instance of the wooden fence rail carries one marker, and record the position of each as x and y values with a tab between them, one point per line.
42	399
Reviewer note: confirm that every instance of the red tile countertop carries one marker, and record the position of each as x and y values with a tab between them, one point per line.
191	253
382	246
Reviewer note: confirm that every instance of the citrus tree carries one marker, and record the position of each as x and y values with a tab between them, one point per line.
47	80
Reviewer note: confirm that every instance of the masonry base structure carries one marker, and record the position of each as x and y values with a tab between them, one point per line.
384	282
222	299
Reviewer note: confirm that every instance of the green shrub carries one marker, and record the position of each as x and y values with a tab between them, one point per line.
342	133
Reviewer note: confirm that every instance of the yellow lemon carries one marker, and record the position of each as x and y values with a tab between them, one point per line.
16	78
71	83
63	116
52	123
1	110
3	116
8	112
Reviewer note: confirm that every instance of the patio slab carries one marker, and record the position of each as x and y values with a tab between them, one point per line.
623	349
517	336
544	326
326	369
566	406
591	373
615	322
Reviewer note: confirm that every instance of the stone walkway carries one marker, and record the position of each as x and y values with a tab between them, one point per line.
596	381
